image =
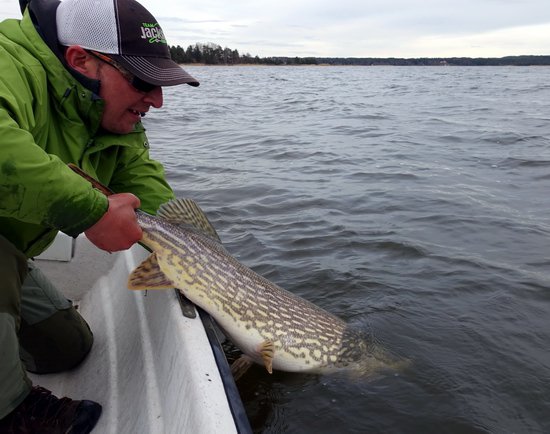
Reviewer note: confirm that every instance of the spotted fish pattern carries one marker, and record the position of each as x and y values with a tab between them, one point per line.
269	324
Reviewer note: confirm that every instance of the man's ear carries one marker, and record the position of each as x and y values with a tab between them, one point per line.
79	59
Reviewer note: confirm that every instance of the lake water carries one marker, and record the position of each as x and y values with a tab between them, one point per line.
414	202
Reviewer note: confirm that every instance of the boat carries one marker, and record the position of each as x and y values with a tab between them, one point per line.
153	369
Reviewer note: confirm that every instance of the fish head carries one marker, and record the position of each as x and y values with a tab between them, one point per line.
362	355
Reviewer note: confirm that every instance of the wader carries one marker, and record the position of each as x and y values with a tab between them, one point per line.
40	330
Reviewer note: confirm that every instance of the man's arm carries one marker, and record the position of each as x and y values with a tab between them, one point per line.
38	188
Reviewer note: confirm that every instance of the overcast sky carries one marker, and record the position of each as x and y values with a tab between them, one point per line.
354	28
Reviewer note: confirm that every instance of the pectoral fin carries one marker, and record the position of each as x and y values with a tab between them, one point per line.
148	275
267	350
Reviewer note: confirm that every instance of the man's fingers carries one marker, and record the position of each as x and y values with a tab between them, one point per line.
118	229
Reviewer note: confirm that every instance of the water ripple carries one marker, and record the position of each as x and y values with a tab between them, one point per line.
410	201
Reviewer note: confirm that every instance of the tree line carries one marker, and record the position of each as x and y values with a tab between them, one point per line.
214	54
438	61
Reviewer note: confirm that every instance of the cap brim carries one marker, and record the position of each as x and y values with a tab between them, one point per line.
156	70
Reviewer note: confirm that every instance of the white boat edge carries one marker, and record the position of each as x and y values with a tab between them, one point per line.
152	369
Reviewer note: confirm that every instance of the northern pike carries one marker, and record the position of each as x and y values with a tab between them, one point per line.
271	326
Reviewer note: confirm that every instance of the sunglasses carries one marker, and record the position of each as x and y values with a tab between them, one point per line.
136	82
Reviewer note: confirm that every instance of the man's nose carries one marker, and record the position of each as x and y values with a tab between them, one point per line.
154	97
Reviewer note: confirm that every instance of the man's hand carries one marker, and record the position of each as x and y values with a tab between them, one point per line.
118	228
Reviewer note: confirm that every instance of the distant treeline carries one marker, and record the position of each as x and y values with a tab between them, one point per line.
434	61
214	54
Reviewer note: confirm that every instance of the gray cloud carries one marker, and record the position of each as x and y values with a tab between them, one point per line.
360	28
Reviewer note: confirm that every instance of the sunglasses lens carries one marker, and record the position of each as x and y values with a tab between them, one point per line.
142	85
137	82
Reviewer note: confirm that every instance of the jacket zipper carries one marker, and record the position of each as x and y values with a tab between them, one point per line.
88	146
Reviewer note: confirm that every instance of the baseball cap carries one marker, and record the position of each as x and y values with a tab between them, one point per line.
126	32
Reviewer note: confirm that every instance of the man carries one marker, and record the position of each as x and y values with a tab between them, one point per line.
77	77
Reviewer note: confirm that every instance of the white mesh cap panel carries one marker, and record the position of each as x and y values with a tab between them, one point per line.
88	23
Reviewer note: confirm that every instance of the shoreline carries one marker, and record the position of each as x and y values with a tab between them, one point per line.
186	65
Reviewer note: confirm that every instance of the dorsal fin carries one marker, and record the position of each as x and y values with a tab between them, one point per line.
187	212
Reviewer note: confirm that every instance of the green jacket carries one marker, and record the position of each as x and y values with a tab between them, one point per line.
48	119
